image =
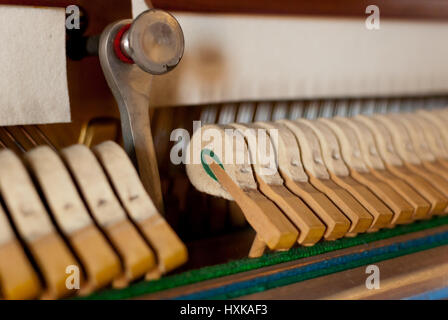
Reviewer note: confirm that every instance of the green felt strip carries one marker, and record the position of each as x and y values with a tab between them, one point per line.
269	259
323	272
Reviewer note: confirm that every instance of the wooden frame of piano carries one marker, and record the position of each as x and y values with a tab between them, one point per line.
86	95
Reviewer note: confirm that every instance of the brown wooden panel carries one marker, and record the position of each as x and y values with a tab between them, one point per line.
428	9
45	3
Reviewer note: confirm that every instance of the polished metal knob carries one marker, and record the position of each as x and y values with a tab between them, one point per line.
154	41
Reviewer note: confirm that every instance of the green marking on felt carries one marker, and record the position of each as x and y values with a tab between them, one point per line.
210	153
269	259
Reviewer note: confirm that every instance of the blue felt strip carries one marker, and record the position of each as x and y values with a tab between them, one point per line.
438	294
338	263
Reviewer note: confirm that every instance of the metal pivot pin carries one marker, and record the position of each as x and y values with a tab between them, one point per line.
130	53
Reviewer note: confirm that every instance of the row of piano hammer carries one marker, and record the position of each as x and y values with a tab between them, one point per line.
78	210
336	177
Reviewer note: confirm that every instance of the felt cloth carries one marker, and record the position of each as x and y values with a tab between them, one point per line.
33	76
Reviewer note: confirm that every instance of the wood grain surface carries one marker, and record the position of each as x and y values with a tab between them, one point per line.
409	9
319	289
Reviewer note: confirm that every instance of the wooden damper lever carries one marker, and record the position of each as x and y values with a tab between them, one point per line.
397	165
224	170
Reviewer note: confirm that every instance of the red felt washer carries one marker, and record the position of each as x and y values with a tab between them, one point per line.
117	45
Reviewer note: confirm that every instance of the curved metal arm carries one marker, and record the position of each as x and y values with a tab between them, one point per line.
130	84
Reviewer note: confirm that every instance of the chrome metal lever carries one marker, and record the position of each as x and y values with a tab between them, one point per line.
130	53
